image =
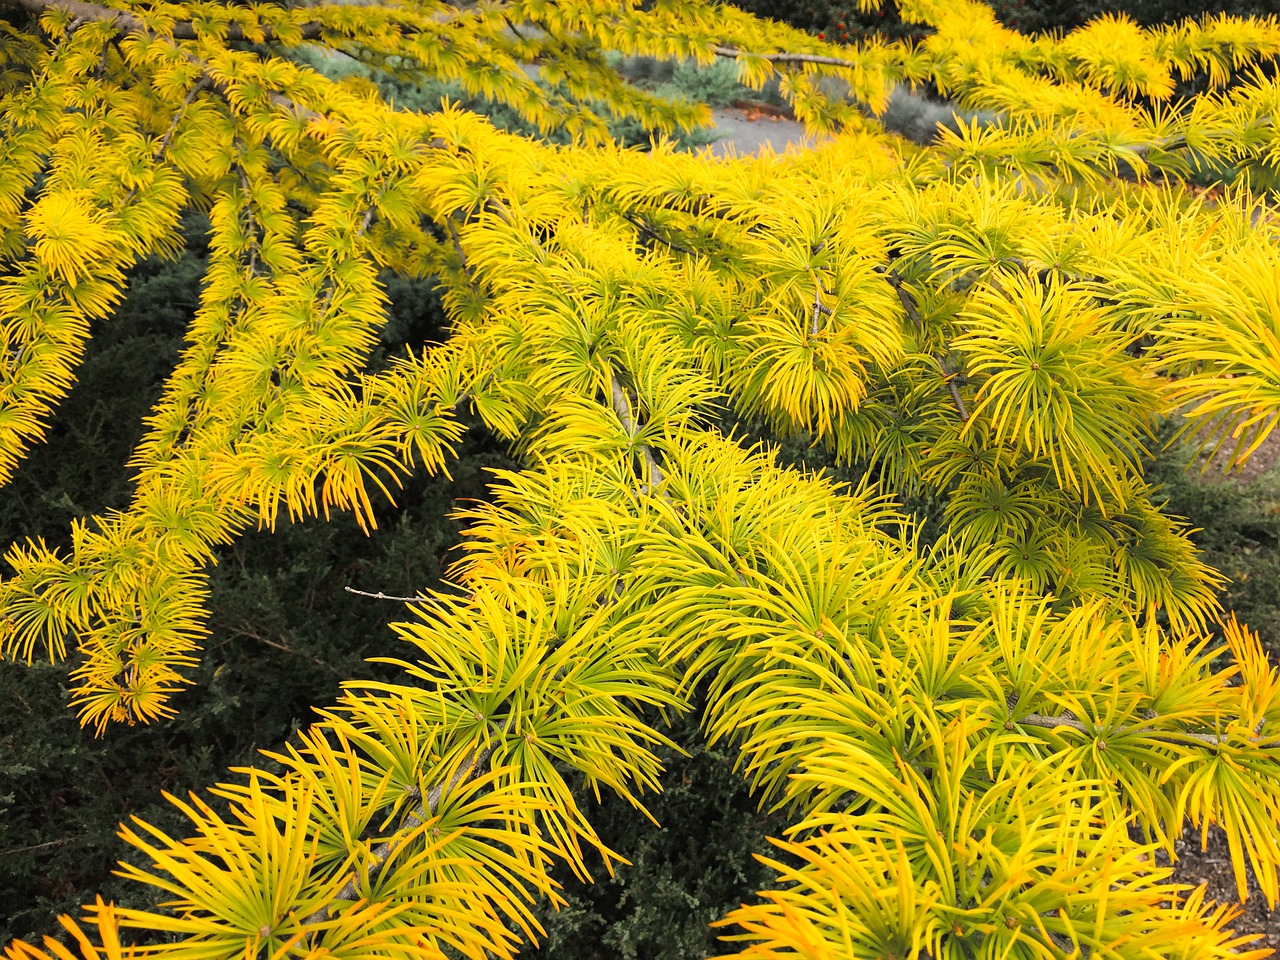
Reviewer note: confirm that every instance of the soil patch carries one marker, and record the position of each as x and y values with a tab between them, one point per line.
1263	460
1212	867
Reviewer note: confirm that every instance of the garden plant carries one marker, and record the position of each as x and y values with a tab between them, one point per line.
985	722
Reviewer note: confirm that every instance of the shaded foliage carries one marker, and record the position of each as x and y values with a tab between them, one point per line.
684	873
1026	16
284	633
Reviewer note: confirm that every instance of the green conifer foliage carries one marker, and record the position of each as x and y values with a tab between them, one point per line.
981	742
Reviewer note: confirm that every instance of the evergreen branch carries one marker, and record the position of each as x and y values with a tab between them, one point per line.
650	232
496	206
818	307
622	407
126	22
913	313
254	236
1042	273
1051	723
950	377
699	206
13	851
908	302
383	852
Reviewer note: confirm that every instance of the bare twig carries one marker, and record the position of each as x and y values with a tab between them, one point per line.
512	26
950	377
904	297
126	22
818	310
787	57
384	596
41	846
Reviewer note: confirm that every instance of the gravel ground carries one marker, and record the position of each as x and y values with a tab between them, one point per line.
744	130
1212	867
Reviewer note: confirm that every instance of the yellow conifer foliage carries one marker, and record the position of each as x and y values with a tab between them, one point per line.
964	733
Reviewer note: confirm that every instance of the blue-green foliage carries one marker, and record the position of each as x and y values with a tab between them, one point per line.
716	85
428	95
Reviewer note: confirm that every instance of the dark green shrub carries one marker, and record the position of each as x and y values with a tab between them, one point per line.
428	95
284	633
1239	532
841	20
684	873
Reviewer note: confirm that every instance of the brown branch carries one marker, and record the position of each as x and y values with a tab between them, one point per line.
277	645
950	377
908	302
787	57
202	84
494	205
512	26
